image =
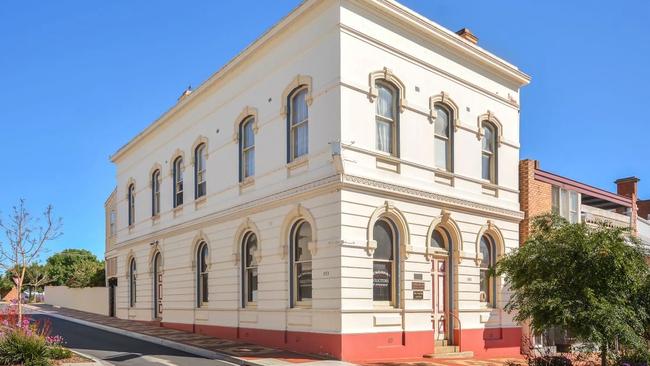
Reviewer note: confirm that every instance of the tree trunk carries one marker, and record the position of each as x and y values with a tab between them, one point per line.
603	354
20	295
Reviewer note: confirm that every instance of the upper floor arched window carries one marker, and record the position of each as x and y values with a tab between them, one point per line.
443	144
132	283
199	171
487	259
249	269
301	262
386	117
298	136
178	182
247	148
385	262
489	152
155	193
131	203
202	274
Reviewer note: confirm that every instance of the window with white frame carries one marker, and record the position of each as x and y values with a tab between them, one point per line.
385	263
443	138
202	274
249	269
199	171
301	262
155	193
178	182
489	152
112	222
386	117
566	203
298	123
132	283
487	260
131	203
247	148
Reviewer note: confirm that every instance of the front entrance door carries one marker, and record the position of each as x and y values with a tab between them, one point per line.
157	287
440	280
112	284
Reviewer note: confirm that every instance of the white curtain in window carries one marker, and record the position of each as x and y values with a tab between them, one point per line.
300	140
385	102
384	138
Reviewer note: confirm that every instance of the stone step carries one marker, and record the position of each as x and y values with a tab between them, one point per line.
467	354
445	349
441	342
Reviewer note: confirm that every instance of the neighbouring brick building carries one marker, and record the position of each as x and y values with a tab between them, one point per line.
542	192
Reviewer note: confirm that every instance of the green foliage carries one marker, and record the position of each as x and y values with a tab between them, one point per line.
59	353
592	281
75	268
21	348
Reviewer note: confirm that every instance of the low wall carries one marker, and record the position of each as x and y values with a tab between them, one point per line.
90	299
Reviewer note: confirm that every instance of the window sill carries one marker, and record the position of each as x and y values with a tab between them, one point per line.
155	219
389	163
246	183
178	210
199	202
444	177
490	189
297	163
302	305
131	227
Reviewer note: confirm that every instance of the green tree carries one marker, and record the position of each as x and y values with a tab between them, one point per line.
35	278
588	280
75	268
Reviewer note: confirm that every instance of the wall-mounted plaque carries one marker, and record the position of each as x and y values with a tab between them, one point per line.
418	295
417	285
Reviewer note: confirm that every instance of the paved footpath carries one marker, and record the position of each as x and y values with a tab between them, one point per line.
232	351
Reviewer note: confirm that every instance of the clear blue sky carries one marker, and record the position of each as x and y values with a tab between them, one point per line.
79	78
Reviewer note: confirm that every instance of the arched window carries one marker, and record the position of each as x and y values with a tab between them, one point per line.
298	123
300	258
246	148
202	274
385	262
157	285
437	240
249	269
132	282
487	282
443	148
489	152
178	182
199	171
386	117
155	193
131	202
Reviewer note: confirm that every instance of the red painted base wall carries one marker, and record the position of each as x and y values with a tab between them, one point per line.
368	346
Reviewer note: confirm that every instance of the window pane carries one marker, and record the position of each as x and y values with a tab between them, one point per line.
299	110
487	167
441	149
556	200
437	240
249	163
485	285
252	284
385	100
300	143
204	287
383	234
204	258
302	239
488	139
303	273
249	136
442	122
486	253
381	281
384	136
251	247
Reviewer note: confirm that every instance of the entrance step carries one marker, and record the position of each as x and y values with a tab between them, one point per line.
467	354
441	343
445	349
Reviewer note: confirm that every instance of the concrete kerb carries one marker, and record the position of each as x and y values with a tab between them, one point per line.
159	341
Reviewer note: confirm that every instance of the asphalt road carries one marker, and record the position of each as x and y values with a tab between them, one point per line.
116	349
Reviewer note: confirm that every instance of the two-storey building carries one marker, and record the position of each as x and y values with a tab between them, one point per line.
340	187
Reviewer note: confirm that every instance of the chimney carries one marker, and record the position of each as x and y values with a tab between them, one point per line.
628	187
186	92
468	35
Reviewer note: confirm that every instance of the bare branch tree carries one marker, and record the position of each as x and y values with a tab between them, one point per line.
25	240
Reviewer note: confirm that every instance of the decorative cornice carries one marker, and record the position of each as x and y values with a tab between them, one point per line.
438	198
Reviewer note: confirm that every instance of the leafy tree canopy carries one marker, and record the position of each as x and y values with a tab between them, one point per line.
592	281
75	268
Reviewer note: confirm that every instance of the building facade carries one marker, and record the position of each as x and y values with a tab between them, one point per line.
339	188
543	192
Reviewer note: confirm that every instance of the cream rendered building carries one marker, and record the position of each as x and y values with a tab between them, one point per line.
337	188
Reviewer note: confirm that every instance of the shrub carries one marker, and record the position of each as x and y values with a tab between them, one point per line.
18	347
59	353
550	361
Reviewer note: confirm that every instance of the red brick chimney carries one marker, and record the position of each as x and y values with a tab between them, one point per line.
628	187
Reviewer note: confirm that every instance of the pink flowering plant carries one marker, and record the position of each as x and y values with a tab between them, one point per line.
28	342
